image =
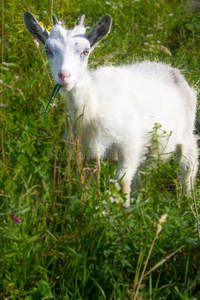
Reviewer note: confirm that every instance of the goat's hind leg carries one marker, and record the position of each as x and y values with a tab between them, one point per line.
188	161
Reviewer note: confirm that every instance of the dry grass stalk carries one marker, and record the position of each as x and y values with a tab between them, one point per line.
159	228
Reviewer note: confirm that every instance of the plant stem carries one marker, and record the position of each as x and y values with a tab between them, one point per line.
197	215
145	266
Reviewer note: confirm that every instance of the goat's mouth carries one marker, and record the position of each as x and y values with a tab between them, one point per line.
68	86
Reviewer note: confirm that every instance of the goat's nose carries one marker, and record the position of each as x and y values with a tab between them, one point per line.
64	74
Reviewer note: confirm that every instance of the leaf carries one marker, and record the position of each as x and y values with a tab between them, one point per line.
53	95
162	261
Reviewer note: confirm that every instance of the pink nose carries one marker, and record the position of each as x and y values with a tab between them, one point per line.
64	74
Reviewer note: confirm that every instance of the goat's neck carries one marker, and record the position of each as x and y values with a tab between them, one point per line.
82	97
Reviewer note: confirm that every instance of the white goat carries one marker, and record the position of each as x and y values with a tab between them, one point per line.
120	105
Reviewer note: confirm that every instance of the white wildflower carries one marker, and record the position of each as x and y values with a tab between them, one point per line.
116	184
8	64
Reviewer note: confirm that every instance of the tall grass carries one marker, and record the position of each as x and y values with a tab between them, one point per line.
65	235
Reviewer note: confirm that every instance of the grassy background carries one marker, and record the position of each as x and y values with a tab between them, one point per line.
61	235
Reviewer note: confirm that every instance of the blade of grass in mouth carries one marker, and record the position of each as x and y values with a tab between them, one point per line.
53	95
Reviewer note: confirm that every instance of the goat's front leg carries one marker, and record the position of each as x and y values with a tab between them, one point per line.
128	162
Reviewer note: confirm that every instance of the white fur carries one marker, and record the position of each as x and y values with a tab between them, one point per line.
121	105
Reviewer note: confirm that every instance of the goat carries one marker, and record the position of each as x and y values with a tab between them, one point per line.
120	105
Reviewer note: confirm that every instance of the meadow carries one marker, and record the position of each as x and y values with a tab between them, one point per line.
67	236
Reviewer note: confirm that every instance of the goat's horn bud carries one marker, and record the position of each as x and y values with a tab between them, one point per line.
55	20
81	21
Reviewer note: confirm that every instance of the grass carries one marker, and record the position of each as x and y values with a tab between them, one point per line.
63	235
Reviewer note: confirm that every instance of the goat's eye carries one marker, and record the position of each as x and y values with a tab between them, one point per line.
47	52
85	52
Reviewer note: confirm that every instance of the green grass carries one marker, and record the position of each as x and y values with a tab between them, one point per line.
72	241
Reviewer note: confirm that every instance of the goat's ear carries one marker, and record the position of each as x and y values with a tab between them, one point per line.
81	21
35	28
100	30
55	20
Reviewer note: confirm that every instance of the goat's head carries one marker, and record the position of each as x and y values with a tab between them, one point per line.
67	50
